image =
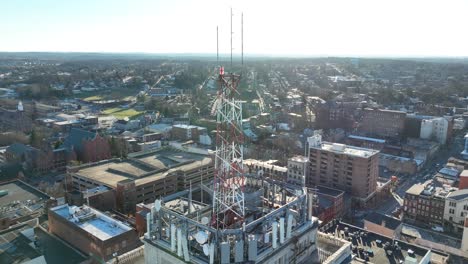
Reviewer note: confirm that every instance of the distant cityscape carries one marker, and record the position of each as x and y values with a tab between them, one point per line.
135	158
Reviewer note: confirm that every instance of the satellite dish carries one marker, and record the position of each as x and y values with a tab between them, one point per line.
157	205
206	249
205	220
201	237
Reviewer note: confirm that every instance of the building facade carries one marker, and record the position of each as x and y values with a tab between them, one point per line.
351	169
384	123
436	129
456	210
267	168
298	168
424	204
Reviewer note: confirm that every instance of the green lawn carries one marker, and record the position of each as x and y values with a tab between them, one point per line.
93	98
122	113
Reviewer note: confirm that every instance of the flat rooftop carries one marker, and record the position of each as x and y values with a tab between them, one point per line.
299	159
18	191
348	150
328	191
92	221
378	248
144	168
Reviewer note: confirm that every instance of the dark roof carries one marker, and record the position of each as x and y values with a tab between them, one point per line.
328	191
18	148
458	195
76	138
379	219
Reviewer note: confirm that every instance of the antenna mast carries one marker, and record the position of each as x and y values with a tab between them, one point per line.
217	45
231	38
242	39
229	181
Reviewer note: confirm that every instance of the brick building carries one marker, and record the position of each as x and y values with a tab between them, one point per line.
88	146
37	160
351	169
425	203
365	142
383	123
91	231
333	115
187	132
330	204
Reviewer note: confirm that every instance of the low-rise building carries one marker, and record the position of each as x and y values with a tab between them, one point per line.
400	164
425	203
329	205
143	177
298	166
267	168
456	209
20	202
382	224
92	231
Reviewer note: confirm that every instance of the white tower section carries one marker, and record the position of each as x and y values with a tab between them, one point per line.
228	200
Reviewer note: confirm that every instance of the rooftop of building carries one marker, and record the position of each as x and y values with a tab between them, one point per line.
27	242
91	221
385	110
143	168
464	173
431	188
299	159
458	195
348	150
20	194
376	140
188	126
328	191
375	248
272	164
383	220
260	210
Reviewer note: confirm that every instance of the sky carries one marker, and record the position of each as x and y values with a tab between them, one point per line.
289	27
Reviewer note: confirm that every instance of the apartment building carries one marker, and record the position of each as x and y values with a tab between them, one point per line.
351	169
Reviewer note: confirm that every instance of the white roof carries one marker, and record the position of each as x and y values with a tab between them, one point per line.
100	226
348	150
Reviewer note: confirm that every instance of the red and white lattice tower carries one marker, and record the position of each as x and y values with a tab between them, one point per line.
228	197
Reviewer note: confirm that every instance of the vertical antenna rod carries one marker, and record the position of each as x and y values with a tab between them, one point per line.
231	38
217	45
242	39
